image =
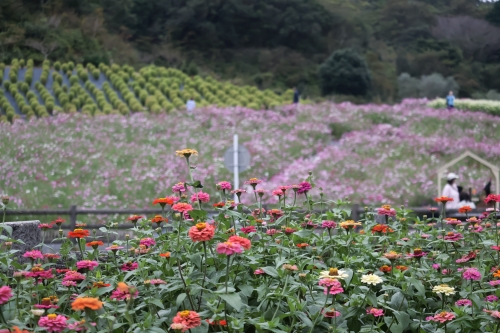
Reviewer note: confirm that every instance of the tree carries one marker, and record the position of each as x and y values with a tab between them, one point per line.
494	14
344	72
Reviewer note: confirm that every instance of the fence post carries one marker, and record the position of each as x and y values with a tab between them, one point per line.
72	217
355	212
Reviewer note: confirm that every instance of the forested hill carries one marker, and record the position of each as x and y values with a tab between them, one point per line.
273	43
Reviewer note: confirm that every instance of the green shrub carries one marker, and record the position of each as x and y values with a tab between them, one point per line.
73	80
57	65
22	63
64	68
96	74
13	75
71	66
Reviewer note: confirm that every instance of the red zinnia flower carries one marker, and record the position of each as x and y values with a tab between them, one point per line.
302	245
134	218
220	204
78	233
492	198
464	209
159	219
382	228
443	199
95	244
385	269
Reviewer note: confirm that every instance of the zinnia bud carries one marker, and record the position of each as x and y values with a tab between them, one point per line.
5	199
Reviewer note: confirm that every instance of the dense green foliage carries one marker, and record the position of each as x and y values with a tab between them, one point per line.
345	72
275	44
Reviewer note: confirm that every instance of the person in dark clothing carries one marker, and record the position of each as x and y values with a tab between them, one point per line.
487	188
295	96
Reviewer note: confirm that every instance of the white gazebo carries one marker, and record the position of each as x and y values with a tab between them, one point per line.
494	169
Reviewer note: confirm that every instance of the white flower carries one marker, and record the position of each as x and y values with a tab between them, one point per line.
38	312
444	289
334	273
371	279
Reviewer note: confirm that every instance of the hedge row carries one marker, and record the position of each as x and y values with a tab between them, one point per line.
481	105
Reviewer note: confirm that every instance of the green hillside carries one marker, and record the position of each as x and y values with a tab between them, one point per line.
29	92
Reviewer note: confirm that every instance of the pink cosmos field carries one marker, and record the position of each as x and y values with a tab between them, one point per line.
389	154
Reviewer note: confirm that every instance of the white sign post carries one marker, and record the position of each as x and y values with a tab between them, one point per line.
236	170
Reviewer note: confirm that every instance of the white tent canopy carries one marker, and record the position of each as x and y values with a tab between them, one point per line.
494	169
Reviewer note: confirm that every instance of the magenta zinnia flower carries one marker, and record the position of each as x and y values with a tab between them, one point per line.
491	298
453	236
328	224
35	254
200	196
147	242
73	276
129	266
278	193
5	294
179	187
53	323
463	302
304	187
87	264
494	283
260	271
472	273
386	212
442	317
229	248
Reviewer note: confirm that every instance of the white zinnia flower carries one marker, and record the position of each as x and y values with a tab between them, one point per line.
334	273
444	289
38	312
371	279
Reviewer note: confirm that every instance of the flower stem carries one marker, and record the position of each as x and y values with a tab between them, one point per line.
281	297
322	308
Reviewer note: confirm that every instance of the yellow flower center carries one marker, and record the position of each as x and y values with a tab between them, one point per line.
77	230
333	272
184	314
443	313
52	316
388	207
450	233
201	226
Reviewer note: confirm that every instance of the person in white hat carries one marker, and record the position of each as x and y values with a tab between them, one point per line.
450	190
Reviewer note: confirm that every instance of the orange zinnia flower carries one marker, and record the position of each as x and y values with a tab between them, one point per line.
18	330
402	268
302	245
385	269
497	273
95	244
83	303
220	204
100	284
163	201
381	228
159	219
78	233
464	209
135	218
182	207
165	255
443	199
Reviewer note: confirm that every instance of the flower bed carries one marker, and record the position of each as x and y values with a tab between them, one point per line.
288	269
481	105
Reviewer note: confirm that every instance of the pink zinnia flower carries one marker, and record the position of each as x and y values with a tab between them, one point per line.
333	284
425	236
472	273
253	181
229	248
157	281
129	266
147	242
182	207
453	222
179	187
201	232
260	271
190	319
304	187
79	326
114	248
121	294
491	298
244	242
40	275
200	196
442	317
386	212
260	192
69	283
224	185
73	276
278	193
453	236
272	232
53	323
375	312
494	283
436	266
87	264
463	302
35	254
5	294
328	224
249	229
45	226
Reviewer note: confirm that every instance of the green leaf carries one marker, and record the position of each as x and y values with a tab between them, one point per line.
196	259
372	298
157	302
196	184
398	302
198	215
304	318
203	328
7	228
271	271
102	291
233	299
418	285
246	290
304	233
180	299
403	319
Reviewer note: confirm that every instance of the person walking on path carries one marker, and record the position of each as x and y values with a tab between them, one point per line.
190	106
450	101
296	96
450	190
